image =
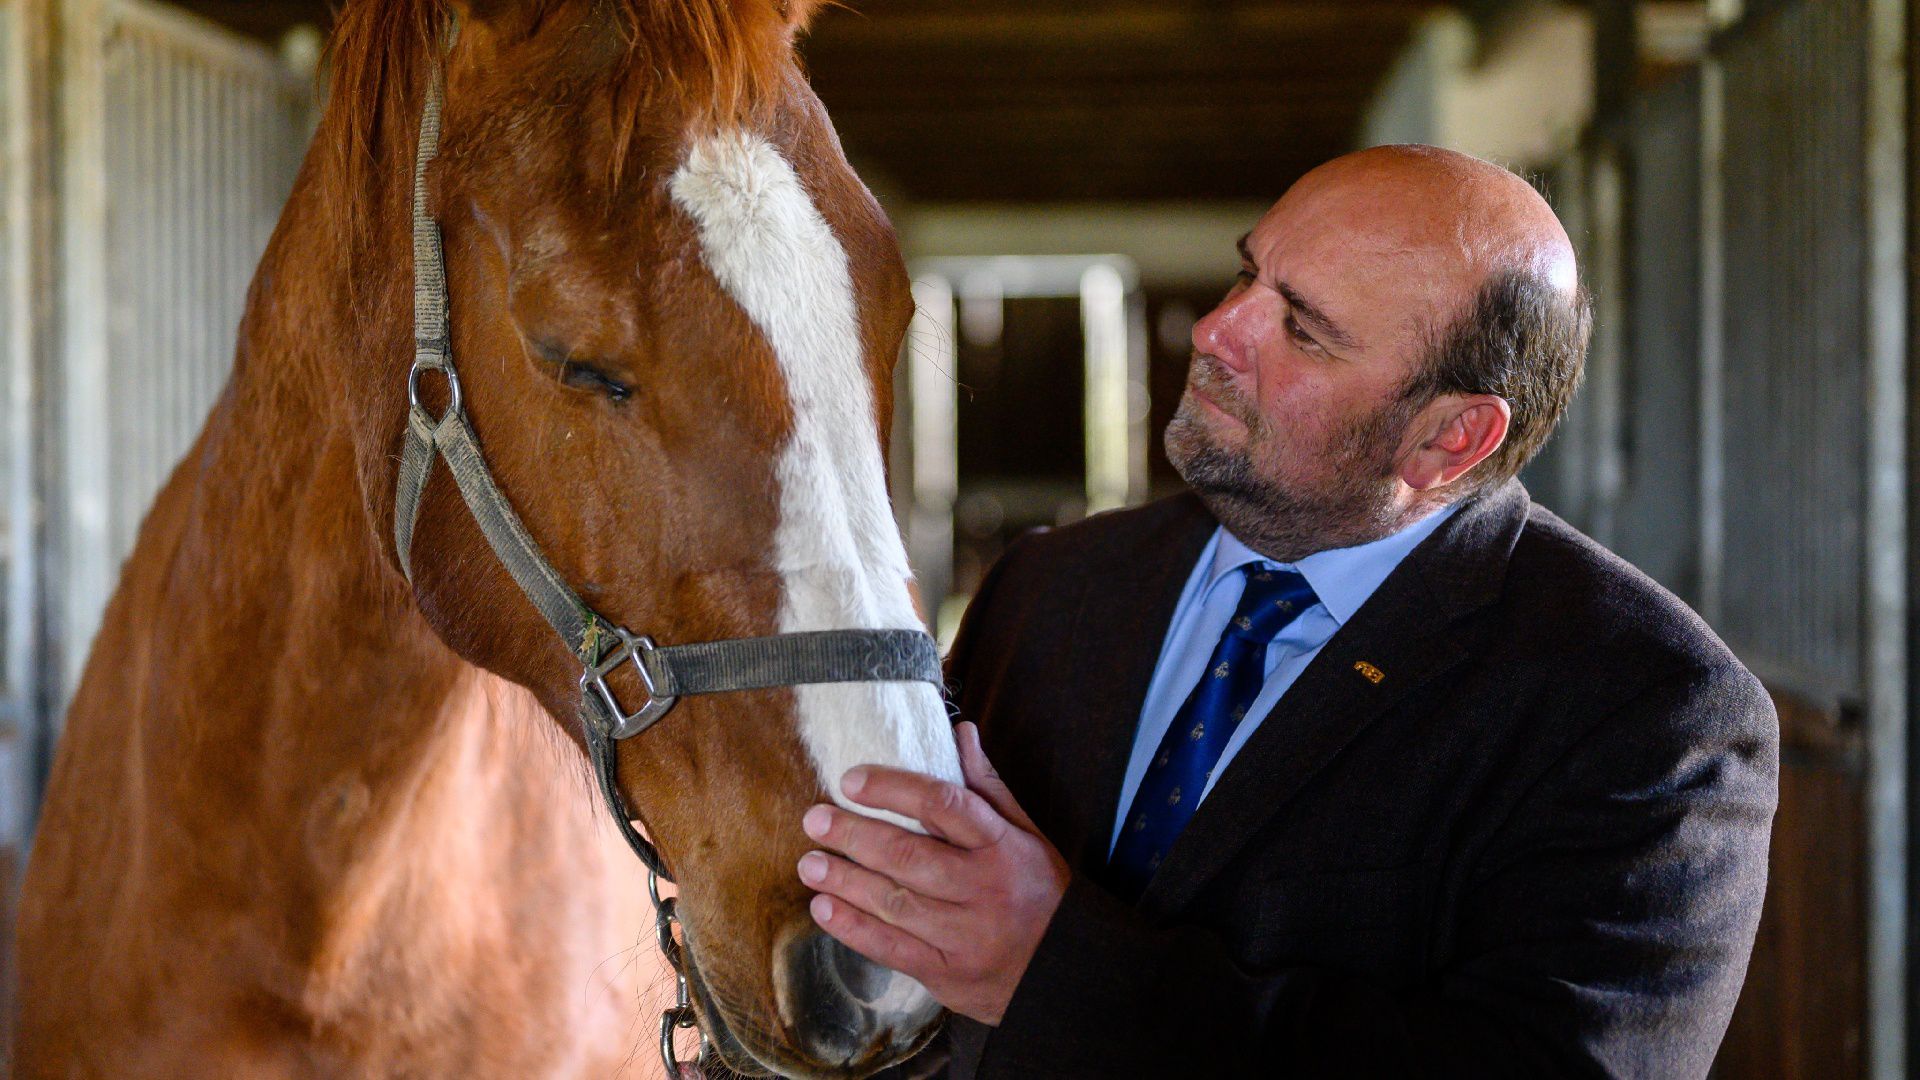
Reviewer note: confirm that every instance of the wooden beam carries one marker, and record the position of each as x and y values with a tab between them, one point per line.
1034	24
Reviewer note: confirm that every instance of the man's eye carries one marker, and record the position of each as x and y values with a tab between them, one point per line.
1244	277
1299	333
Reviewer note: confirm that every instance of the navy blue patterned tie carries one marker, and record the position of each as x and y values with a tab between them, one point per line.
1170	790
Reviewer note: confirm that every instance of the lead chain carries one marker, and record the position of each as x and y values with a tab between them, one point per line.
681	1016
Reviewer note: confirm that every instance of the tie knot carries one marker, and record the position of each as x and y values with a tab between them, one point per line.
1272	600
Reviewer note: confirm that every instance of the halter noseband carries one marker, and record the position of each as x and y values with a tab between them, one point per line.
601	646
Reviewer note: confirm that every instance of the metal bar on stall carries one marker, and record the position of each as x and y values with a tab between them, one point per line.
1110	469
1713	338
86	422
1606	378
22	137
1887	162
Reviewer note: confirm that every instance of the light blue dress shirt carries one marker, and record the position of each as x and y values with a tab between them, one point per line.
1343	579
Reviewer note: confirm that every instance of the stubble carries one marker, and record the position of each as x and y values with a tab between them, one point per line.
1282	499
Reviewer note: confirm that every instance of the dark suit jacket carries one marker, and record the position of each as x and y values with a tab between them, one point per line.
1512	821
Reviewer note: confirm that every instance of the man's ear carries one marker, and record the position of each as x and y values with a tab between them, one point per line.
1456	432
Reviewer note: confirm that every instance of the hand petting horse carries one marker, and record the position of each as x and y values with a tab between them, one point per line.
324	805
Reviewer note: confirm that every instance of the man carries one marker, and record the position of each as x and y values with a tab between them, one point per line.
1474	797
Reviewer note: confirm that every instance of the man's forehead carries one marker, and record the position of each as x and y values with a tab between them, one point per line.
1378	282
1281	238
1311	258
1365	220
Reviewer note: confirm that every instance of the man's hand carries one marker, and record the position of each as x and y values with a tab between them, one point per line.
962	909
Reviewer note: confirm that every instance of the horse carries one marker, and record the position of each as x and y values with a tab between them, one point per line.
322	805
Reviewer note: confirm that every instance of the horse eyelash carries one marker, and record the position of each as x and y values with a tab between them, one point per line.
591	378
582	375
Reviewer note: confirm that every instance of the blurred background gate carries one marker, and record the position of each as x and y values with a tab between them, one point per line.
147	155
1789	584
22	721
180	143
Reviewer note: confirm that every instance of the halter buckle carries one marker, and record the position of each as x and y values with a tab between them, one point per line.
632	647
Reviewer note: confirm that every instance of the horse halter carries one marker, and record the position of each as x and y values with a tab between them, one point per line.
600	645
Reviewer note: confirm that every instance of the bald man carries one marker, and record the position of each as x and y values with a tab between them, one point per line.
1353	761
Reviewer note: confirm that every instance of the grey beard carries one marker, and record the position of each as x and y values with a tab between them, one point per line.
1283	522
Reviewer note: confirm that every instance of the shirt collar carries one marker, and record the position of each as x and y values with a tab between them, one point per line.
1343	578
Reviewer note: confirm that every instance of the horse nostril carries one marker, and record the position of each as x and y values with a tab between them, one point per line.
863	980
844	1010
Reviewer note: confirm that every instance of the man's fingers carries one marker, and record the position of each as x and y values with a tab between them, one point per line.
924	917
920	862
950	811
886	945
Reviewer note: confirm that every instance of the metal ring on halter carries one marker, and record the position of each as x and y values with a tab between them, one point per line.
453	384
632	647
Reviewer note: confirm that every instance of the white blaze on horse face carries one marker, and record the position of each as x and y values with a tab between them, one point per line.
837	547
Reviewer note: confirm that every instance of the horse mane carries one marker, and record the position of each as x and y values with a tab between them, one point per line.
719	62
722	58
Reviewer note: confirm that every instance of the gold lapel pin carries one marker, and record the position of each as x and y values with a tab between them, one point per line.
1369	672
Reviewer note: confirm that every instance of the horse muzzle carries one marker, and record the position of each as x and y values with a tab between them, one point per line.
841	1015
846	1011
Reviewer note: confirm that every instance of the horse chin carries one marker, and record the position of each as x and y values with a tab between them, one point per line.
724	1055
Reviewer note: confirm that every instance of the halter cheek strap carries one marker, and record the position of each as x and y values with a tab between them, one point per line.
601	646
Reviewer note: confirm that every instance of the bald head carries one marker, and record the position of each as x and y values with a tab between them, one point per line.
1471	218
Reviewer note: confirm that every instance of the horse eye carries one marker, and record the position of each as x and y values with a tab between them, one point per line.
588	377
579	373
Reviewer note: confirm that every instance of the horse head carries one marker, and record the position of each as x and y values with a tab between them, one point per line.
675	311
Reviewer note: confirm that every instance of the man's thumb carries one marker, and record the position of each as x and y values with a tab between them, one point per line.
983	778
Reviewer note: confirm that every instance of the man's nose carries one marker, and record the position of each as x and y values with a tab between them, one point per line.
1216	334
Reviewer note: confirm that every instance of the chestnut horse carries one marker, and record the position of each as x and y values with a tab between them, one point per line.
310	818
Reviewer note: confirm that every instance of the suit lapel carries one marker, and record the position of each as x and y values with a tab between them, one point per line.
1404	636
1124	612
